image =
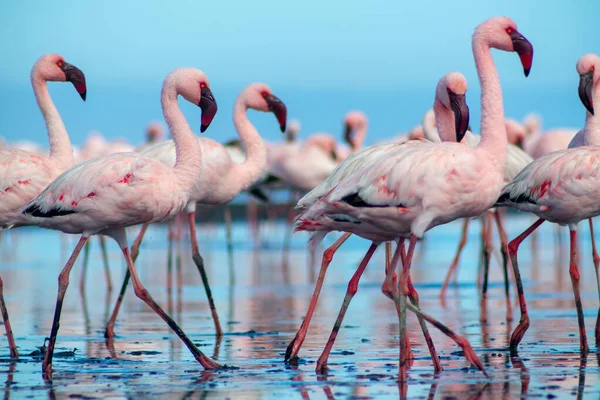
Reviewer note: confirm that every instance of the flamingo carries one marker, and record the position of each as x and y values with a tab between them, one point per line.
419	187
561	187
220	179
105	195
25	174
536	143
451	96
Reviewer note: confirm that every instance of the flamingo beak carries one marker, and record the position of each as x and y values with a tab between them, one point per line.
585	90
458	103
277	107
76	77
524	49
208	105
348	134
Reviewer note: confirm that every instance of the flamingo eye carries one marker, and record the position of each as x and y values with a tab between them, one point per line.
509	30
592	68
60	63
202	85
264	94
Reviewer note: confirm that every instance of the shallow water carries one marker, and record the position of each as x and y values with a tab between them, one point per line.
262	305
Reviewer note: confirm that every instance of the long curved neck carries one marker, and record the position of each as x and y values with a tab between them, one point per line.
246	173
493	130
359	137
61	152
188	152
444	119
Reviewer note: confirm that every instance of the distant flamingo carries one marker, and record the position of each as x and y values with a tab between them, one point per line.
24	174
107	194
536	143
419	187
355	132
561	187
454	116
220	179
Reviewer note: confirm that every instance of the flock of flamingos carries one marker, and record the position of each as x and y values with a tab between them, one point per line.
389	192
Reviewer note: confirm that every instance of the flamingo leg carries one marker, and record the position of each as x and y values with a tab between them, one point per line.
109	332
350	292
11	340
513	248
142	293
200	265
293	348
86	258
575	277
63	283
106	263
453	269
487	254
596	268
227	215
504	251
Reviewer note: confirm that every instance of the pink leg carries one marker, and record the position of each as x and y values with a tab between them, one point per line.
350	292
453	267
86	258
504	250
63	283
596	267
11	340
513	248
291	354
227	216
143	294
200	265
487	255
574	272
109	332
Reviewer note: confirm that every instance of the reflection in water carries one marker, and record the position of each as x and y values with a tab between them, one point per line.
263	310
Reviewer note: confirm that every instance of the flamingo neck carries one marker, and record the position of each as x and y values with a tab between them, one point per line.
444	119
188	152
61	151
493	130
245	174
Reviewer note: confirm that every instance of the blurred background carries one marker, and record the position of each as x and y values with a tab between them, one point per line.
322	58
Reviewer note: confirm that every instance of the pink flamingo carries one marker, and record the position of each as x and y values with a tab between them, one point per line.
561	187
220	179
452	180
107	194
451	97
24	174
536	143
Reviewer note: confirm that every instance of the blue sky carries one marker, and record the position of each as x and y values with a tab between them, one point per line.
308	49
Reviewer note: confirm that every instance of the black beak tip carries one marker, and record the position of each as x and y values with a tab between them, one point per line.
83	95
282	127
203	128
526	70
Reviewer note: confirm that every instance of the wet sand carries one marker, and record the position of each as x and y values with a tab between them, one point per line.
262	306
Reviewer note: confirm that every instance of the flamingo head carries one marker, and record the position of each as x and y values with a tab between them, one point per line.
53	67
502	33
515	132
451	91
588	68
416	133
154	132
353	121
259	96
292	131
194	86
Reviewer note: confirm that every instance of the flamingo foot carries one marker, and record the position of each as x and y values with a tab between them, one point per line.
518	334
291	353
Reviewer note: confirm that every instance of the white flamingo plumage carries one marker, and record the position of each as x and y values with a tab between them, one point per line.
219	178
25	174
107	194
419	187
561	187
